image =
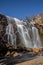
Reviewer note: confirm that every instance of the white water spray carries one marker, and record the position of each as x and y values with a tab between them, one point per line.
23	32
11	36
36	38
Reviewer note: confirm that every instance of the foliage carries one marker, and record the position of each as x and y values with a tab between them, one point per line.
28	19
42	19
41	34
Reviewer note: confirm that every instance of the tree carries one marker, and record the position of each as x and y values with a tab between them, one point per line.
42	19
28	19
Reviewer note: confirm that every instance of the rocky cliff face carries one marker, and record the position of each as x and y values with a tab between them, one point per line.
38	18
3	24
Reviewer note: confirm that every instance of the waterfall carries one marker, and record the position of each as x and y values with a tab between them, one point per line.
11	37
23	32
24	35
36	38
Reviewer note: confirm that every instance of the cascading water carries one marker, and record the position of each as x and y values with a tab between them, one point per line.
11	36
23	32
36	38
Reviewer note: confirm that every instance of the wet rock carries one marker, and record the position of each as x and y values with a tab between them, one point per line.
3	24
15	54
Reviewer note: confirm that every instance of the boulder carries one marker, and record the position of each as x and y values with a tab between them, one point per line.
37	50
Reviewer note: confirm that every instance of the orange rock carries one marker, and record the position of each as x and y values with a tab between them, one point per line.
37	50
8	53
15	54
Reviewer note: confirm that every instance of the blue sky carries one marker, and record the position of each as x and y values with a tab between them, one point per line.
21	8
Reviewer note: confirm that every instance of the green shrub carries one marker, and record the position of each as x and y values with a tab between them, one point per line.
41	34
